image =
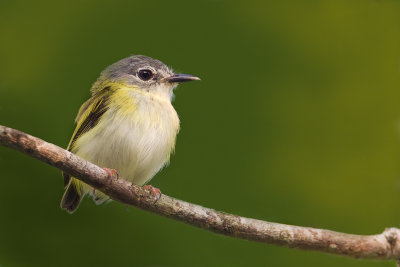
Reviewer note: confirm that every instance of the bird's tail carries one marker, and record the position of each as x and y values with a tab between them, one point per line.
72	196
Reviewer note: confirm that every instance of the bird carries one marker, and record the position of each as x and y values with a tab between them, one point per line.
127	126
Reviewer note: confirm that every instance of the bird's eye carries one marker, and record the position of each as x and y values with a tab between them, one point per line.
145	74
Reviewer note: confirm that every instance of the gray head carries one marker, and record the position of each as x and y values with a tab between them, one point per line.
143	72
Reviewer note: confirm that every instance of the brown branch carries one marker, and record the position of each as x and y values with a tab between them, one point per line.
383	246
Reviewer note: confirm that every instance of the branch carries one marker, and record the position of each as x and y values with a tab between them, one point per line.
384	246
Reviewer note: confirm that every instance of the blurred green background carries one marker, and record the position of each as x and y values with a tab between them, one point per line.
296	120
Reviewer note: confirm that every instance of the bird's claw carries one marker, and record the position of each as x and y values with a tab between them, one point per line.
155	192
111	173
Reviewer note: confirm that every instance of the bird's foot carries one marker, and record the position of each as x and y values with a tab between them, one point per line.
111	173
155	192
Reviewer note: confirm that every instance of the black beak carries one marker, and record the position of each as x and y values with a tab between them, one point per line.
180	78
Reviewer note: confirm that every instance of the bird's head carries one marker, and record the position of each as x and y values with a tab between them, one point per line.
144	73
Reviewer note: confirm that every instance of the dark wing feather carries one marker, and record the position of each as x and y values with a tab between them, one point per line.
90	121
97	105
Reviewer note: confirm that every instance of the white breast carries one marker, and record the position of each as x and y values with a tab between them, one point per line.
137	143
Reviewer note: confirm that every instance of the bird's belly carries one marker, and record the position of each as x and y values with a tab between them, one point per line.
137	149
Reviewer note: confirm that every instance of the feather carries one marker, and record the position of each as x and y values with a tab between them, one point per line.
88	117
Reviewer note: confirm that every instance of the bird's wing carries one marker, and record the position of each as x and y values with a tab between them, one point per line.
88	116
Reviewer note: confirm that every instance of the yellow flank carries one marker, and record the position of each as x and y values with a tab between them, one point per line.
122	98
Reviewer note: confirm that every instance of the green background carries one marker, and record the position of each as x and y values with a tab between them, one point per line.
296	120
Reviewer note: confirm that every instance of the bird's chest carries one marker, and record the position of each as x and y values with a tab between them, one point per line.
136	140
149	130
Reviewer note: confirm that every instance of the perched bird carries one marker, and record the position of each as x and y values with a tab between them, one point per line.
128	125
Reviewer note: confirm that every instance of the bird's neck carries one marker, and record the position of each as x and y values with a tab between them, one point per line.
160	92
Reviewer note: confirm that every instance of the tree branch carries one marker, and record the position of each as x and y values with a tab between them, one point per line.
383	246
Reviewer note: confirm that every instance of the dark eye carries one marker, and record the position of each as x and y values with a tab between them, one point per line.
145	74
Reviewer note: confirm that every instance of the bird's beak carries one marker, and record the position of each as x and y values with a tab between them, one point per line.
180	78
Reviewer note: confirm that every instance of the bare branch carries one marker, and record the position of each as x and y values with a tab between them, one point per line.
383	246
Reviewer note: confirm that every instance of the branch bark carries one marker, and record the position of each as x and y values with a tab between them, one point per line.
384	246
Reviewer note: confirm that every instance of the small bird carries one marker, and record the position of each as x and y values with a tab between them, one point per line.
128	124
